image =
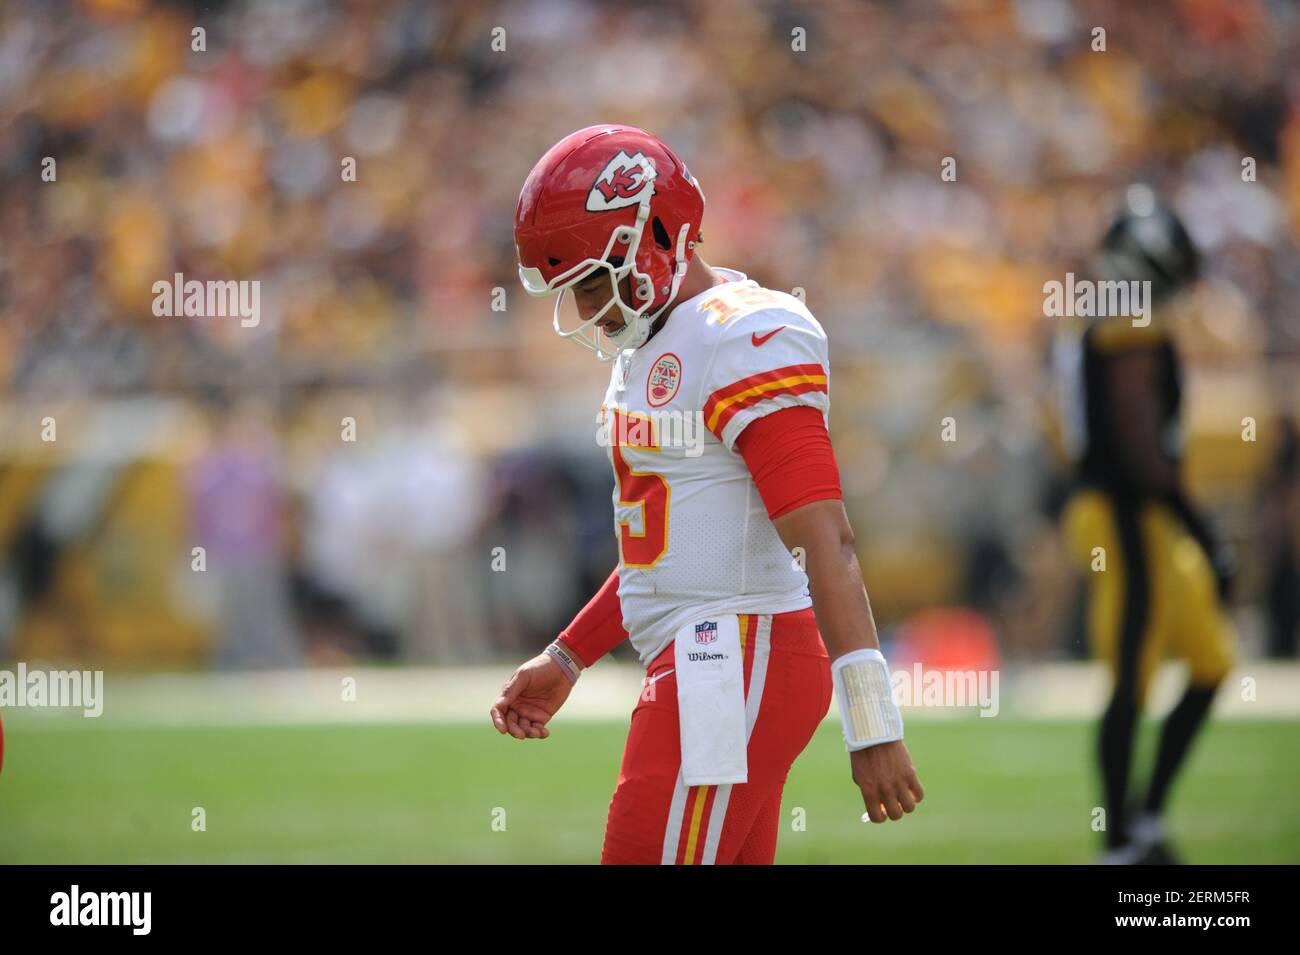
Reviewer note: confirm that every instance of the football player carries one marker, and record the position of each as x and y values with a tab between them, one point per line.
1162	586
737	581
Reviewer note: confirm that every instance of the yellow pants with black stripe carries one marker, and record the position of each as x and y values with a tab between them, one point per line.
1151	591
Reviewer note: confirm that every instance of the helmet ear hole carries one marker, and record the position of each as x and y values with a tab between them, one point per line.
553	260
662	238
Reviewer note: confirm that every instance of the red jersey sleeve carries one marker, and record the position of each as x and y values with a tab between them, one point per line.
598	627
790	457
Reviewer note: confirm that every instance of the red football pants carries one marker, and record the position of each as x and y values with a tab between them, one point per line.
654	818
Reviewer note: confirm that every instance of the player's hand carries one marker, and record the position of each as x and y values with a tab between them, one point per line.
887	779
530	698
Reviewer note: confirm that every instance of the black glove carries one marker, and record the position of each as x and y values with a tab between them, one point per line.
1222	557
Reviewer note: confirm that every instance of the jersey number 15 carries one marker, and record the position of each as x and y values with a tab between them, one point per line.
643	489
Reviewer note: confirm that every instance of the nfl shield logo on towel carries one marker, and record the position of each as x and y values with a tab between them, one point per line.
706	632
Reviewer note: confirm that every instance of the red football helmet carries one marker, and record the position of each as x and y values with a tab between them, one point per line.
606	192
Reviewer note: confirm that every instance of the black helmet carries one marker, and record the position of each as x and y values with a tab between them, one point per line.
1148	242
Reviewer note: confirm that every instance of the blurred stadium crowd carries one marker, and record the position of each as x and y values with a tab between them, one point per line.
820	153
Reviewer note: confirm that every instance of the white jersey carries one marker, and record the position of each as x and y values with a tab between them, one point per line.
694	537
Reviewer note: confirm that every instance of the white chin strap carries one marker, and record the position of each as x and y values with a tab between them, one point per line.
637	322
605	345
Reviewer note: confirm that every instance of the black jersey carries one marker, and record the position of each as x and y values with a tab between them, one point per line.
1100	462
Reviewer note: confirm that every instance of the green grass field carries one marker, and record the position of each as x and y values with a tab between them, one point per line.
998	791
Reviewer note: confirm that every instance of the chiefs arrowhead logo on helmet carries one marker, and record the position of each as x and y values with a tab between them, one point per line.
621	182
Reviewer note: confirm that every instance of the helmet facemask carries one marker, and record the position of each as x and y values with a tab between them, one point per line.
625	243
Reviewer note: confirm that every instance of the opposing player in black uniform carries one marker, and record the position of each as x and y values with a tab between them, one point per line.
1156	579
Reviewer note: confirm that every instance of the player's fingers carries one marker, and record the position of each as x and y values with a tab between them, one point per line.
512	724
875	811
536	729
914	784
534	714
502	703
512	688
497	719
893	809
905	799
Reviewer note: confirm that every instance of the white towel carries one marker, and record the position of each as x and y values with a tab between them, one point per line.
711	701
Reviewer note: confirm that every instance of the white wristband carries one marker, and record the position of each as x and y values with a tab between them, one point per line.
868	712
566	664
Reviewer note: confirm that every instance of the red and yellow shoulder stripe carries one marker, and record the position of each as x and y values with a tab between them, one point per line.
725	403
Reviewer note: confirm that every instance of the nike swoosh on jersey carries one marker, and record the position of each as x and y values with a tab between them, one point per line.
759	340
